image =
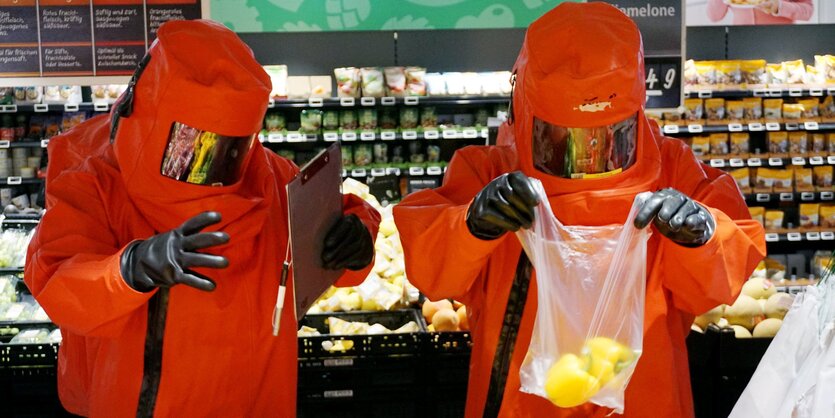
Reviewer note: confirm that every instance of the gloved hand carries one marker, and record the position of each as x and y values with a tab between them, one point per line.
348	245
164	260
677	217
505	204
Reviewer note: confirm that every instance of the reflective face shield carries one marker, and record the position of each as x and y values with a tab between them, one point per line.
584	152
205	158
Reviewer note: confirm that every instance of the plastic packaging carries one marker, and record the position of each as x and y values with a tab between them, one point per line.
753	109
408	117
778	142
368	119
347	82
719	144
694	110
395	81
773	109
701	145
372	82
415	81
588	333
311	121
715	110
428	117
348	120
330	120
740	143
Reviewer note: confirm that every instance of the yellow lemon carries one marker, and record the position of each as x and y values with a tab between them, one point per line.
608	349
568	384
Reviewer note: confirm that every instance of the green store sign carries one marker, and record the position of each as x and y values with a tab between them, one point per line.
341	15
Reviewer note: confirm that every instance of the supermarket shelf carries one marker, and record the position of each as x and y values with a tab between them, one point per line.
10	270
24	144
43	108
361	136
17	181
759	199
695	129
412	171
359	102
800	236
767	161
764	92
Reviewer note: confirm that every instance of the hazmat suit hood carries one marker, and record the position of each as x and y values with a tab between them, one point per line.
582	65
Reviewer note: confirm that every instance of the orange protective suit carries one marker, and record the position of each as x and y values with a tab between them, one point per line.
218	356
580	56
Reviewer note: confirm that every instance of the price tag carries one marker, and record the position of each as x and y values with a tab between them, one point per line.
388	136
737	162
798	161
368	135
827	196
828	236
295	137
772	237
735	127
755	127
8	109
347	102
411	100
450	134
416	171
763	197
270	104
717	162
813	236
387	101
41	108
44	143
755	162
792	126
816	160
775	92
811	126
359	172
830	160
794	236
349	136
760	93
434	171
795	92
775	162
705	94
330	394
772	126
807	196
830	91
315	102
368	101
14	180
100	107
378	172
70	107
485	133
695	129
331	136
816	91
273	138
787	197
338	362
261	138
393	171
5	144
344	173
409	135
470	133
431	134
671	129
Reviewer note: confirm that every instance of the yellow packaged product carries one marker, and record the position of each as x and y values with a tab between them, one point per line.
753	109
773	219
672	118
830	141
776	75
803	179
693	110
715	110
757	214
719	144
827	109
778	142
827	216
764	180
753	73
798	142
742	176
812	76
825	65
792	112
795	71
728	75
773	110
740	143
818	142
705	73
735	110
701	145
823	178
811	109
783	181
691	77
809	215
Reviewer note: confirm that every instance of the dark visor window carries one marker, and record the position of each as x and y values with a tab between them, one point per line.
201	157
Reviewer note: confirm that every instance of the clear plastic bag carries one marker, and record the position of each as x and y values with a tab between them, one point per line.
588	332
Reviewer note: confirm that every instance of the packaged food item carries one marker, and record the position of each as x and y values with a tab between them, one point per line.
827	216
691	77
388	118
381	153
320	86
397	155
278	77
825	64
753	109
774	219
481	116
798	142
742	176
416	152
830	141
803	179
409	117
823	178
728	75
740	143
715	110
347	155
783	181
395	81
368	119
778	142
7	95
792	112
298	87
348	120
428	117
433	153
773	110
52	127
28	95
672	118
275	122
415	81
753	73
311	121
719	144
818	142
776	75
706	73
827	109
811	109
435	84
694	110
62	94
764	180
757	214
701	145
454	83
735	110
7	129
22	121
330	120
490	83
809	215
363	155
347	81
795	71
372	82
813	77
472	84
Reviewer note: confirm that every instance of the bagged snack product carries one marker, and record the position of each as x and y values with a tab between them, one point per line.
740	143
388	118
381	153
825	65
435	84
811	109
59	94
818	142
491	83
827	216
348	120
715	110
320	86
481	117
372	82
778	142
719	144
330	120
809	215
368	119
783	181
798	142
728	75
795	71
803	179
753	109
774	219
395	81
735	110
416	152
672	118
408	117
397	154
753	73
823	178
347	155
28	95
705	73
433	153
742	176
454	83
363	155
757	214
428	117
415	81
776	75
694	110
773	110
278	77
827	109
813	76
792	112
701	145
311	121
472	83
764	180
347	81
830	141
691	77
275	122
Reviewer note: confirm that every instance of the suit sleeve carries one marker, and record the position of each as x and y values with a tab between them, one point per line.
73	266
443	259
703	277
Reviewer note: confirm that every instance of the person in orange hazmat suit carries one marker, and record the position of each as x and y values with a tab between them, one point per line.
577	124
161	250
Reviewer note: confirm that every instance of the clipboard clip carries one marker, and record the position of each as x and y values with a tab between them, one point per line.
314	166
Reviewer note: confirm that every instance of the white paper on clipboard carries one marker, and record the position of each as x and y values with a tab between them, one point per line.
315	205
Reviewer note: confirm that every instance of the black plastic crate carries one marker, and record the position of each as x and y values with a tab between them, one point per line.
360	372
363	345
449	342
399	403
15	358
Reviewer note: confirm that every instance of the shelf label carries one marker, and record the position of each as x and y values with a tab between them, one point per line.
411	100
717	162
737	162
378	172
387	101
315	102
807	196
273	138
348	393
775	92
295	137
760	93
772	126
811	126
331	136
735	127
771	237
100	107
755	127
349	136
5	143
8	109
344	173
70	107
311	137
830	91
787	197
431	134
795	92
828	236
671	129
830	159
816	160
450	134
695	129
485	133
470	133
368	101
338	362
416	171
393	171
775	162
794	236
388	136
368	136
827	195
434	171
41	108
813	236
763	197
798	161
705	94
14	180
792	126
409	135
347	102
359	172
816	92
271	104
755	162
44	143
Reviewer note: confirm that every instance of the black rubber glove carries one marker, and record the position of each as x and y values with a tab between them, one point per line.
348	245
164	260
677	217
505	204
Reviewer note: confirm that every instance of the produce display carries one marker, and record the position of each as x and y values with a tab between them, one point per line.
752	74
718	111
13	244
443	315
